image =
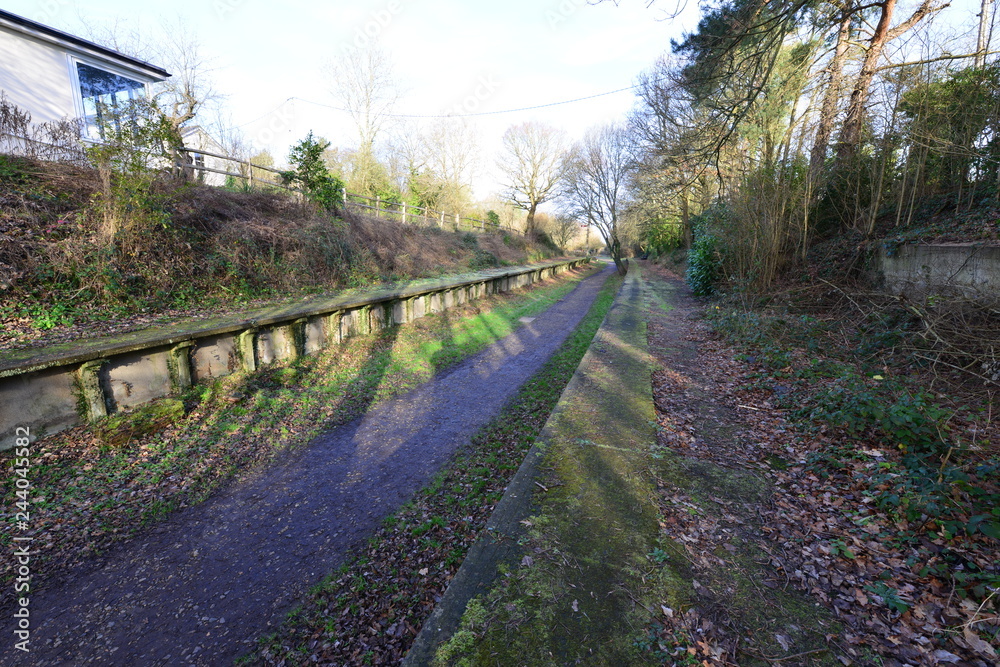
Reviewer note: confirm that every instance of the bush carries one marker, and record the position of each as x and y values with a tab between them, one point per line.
703	267
311	173
662	237
705	258
909	421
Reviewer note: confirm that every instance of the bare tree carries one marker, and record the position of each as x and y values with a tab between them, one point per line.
407	156
598	171
451	159
532	162
434	166
174	47
363	82
850	134
563	229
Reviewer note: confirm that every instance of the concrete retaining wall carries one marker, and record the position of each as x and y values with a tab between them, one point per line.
942	269
51	389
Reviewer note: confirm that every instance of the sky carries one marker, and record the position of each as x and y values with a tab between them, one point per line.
269	60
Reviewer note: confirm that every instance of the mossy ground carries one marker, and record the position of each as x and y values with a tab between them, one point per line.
586	584
606	577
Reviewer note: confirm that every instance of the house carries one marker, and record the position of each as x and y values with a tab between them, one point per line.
54	75
205	165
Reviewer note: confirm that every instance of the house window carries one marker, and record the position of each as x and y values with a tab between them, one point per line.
198	160
104	92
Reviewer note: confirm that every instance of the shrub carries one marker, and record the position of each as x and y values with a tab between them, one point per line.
704	268
312	175
909	421
134	140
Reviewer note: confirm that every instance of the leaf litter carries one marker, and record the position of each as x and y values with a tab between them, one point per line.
898	591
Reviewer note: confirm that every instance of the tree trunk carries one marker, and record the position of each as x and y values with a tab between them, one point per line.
831	97
615	249
850	136
529	224
984	29
686	219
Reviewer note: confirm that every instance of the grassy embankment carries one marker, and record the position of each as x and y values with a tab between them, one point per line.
187	248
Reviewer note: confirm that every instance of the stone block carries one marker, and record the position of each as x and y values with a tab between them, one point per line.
435	302
44	402
276	344
133	379
402	311
355	322
315	335
214	357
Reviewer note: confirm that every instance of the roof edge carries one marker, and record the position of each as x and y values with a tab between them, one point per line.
29	26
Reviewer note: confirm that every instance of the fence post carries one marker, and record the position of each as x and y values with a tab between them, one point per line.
404	213
458	222
378	206
442	219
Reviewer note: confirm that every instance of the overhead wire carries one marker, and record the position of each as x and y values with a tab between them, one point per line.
452	115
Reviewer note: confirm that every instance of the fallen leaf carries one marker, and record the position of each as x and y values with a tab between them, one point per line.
977	644
944	656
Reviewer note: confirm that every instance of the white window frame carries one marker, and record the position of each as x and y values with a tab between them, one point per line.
74	77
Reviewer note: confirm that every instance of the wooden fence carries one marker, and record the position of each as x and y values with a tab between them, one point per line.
256	176
69	152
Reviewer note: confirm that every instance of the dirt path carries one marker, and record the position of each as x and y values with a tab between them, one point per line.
203	586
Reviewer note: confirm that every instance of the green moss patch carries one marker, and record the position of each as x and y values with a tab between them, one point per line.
586	581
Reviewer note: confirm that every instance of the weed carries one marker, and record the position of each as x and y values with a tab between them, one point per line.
839	548
659	556
889	596
13	170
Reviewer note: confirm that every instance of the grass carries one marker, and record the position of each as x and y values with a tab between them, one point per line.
96	488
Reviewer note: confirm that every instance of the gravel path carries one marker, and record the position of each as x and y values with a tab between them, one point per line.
201	587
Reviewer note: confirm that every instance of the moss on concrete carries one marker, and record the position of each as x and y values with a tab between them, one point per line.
119	429
596	566
586	585
15	362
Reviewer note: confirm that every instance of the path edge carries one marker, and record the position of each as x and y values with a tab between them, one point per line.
499	542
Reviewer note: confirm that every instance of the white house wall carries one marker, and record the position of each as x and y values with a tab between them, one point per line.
36	77
199	140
